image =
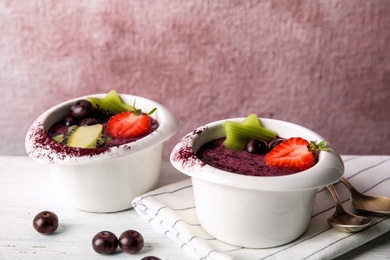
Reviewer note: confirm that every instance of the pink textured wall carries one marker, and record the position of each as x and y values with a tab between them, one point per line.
321	64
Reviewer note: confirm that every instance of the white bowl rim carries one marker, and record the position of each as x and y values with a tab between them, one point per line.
328	169
168	126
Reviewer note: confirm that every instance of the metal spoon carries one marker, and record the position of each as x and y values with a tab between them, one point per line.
344	221
369	204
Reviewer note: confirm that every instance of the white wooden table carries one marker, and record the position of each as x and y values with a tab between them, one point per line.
25	191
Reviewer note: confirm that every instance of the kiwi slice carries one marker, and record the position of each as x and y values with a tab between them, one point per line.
58	138
238	134
85	136
111	102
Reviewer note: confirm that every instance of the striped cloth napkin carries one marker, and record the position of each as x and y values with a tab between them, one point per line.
172	210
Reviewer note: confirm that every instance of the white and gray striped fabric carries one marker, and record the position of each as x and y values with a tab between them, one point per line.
172	210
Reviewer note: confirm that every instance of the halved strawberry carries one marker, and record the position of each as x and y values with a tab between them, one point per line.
295	153
128	124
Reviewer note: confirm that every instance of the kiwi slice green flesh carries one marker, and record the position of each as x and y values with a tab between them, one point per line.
58	138
238	134
85	136
111	102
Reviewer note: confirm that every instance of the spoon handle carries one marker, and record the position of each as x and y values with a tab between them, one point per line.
354	192
335	196
347	183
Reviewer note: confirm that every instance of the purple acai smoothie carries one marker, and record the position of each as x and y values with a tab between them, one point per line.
237	161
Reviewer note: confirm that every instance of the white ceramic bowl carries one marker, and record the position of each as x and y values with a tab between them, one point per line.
106	181
254	211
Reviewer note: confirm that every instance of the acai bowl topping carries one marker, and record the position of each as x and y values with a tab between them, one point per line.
248	148
102	123
79	130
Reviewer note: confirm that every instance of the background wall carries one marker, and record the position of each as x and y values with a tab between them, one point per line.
323	64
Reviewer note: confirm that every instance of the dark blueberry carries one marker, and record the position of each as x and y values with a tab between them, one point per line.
69	121
81	108
105	243
88	121
150	258
45	222
56	129
131	241
256	146
275	142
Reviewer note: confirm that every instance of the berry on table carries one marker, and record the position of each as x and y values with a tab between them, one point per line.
45	222
105	243
131	241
